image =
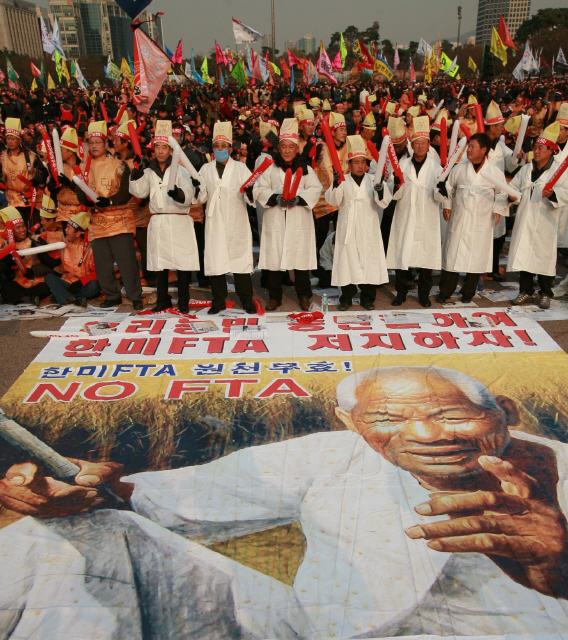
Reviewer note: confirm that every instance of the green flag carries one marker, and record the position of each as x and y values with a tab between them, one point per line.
343	50
42	76
73	68
58	65
12	75
238	73
205	70
445	62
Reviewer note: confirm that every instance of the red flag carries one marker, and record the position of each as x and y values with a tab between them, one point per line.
412	73
292	60
220	57
336	64
543	64
151	65
505	35
178	55
285	69
368	61
35	71
256	72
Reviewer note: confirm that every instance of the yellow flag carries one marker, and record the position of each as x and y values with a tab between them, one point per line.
471	64
498	49
50	83
65	71
126	71
34	84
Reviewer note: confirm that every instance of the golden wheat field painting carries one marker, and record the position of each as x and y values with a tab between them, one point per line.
318	484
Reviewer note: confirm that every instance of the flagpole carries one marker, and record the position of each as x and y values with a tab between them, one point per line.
273	34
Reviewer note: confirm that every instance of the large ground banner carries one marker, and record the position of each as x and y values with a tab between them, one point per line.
358	476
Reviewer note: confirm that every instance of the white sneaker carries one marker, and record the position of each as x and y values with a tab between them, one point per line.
544	302
522	298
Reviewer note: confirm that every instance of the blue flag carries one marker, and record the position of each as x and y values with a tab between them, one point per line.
130	64
221	79
292	79
168	52
133	7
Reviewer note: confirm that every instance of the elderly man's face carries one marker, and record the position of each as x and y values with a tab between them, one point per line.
427	425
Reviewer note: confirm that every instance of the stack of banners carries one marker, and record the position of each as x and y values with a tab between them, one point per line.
348	475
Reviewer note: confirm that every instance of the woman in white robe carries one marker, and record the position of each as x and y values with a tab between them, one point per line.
171	236
359	256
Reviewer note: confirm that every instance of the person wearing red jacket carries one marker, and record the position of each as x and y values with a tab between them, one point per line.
79	279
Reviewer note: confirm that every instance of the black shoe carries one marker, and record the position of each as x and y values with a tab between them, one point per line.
272	305
81	302
70	300
110	303
466	299
250	308
343	306
137	305
441	298
497	277
216	308
183	308
53	299
398	300
304	303
36	300
162	306
425	302
369	306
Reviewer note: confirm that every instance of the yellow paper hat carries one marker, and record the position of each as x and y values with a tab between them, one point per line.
356	147
265	127
471	100
420	127
391	107
336	120
326	106
414	111
97	129
315	103
397	130
512	125
48	208
372	98
307	115
223	131
122	131
298	108
70	140
443	113
11	214
422	99
123	118
80	221
13	127
369	122
562	117
162	131
289	130
493	114
550	135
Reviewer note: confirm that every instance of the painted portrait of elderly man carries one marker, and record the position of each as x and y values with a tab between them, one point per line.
430	514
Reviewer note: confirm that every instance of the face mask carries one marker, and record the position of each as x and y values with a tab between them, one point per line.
221	155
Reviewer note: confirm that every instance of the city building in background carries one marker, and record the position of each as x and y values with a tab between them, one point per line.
98	27
514	12
307	44
290	44
19	27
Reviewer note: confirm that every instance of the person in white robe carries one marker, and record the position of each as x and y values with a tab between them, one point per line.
535	234
472	204
502	157
171	236
415	240
359	255
228	236
288	240
394	511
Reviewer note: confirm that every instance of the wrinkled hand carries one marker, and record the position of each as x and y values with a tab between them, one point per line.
442	189
65	181
447	213
26	490
508	526
547	193
102	202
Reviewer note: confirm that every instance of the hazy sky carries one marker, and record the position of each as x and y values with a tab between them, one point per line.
199	23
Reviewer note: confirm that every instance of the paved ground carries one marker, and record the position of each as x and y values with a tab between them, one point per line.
18	348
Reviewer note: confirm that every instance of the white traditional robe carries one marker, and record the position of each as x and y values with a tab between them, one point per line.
535	234
359	256
469	242
288	238
171	236
228	236
415	232
502	157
